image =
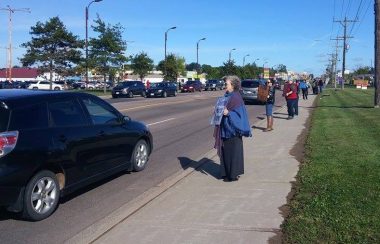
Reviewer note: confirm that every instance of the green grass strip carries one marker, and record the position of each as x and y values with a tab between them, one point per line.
337	195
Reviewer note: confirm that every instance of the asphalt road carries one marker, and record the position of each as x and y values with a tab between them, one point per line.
181	133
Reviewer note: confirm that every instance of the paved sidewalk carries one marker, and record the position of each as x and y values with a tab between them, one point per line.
203	209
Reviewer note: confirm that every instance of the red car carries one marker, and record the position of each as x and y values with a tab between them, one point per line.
192	86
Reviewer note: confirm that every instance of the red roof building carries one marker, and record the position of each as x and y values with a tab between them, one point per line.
20	74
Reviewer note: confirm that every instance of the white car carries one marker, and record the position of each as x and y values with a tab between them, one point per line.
45	85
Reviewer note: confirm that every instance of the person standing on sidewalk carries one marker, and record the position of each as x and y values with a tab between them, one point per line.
304	87
320	85
269	106
297	83
291	98
228	135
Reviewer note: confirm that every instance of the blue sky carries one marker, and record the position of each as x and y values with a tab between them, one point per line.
295	32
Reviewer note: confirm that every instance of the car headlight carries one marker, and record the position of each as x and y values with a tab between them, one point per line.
125	90
159	91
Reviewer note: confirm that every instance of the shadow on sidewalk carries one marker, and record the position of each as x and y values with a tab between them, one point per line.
208	167
280	113
259	128
277	117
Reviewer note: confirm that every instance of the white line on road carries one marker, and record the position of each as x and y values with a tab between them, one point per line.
159	122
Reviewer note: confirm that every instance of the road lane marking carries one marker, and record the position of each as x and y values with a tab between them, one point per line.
164	103
154	105
159	122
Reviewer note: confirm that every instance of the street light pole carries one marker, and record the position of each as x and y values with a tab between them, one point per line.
204	38
244	59
11	11
86	43
229	56
166	39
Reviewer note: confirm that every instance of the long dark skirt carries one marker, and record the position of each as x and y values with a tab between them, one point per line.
232	161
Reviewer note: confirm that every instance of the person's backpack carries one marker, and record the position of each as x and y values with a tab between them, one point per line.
262	93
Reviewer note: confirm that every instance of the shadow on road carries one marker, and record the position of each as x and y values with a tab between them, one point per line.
205	166
6	215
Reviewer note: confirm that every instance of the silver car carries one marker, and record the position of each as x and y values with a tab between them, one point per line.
249	90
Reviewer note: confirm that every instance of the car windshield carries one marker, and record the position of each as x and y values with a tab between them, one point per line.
157	85
250	83
4	117
212	82
125	83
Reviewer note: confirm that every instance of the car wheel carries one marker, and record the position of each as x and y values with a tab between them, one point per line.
140	155
56	89
130	94
164	94
143	94
41	196
91	88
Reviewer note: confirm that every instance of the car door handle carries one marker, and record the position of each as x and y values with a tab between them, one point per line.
62	138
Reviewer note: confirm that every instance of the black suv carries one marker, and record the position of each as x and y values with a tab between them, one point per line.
214	85
129	89
52	143
162	89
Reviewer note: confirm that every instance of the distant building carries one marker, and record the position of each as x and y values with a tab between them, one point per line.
19	74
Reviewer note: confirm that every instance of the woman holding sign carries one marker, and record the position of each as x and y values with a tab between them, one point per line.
228	133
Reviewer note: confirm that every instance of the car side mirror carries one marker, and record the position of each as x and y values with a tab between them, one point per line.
126	119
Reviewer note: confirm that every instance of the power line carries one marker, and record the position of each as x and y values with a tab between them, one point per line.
356	16
365	14
348	8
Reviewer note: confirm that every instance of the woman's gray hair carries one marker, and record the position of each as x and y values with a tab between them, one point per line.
235	81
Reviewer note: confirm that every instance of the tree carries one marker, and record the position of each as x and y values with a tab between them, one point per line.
106	51
53	48
249	71
281	68
229	68
141	64
211	72
172	68
193	67
363	70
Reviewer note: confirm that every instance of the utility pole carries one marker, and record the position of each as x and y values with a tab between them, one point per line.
11	11
377	55
335	61
344	23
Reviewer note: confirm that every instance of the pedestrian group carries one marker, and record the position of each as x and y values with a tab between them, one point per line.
231	120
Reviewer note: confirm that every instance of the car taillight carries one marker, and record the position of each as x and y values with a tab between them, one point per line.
8	141
191	87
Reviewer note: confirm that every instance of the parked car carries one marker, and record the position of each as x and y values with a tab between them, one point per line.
129	89
249	90
192	86
278	82
214	85
72	140
162	89
78	85
45	85
6	85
